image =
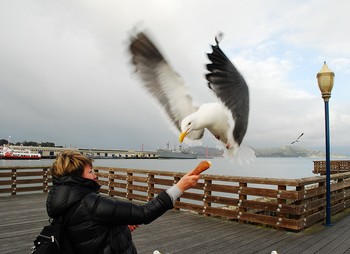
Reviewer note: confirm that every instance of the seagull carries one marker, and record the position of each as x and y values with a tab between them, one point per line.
297	140
226	119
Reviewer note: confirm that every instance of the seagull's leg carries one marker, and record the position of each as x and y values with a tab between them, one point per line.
227	144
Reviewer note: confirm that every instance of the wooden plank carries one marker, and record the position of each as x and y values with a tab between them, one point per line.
118	177
315	243
136	197
281	194
29	181
6	190
216	238
269	220
118	185
137	188
273	207
29	173
29	189
188	206
160	181
226	213
6	174
222	200
117	193
254	180
193	196
6	182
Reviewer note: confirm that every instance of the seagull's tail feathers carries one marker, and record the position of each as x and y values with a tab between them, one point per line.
243	154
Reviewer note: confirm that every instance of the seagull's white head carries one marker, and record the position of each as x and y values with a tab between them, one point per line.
187	125
192	127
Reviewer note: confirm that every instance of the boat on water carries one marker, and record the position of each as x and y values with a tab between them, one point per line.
7	153
176	153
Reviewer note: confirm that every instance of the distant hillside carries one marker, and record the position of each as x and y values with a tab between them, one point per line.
292	151
282	151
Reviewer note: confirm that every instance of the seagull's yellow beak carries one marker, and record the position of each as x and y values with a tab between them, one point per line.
182	136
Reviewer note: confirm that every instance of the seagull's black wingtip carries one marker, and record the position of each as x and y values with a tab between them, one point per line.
218	38
216	41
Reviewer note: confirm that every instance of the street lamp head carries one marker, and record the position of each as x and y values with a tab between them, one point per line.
325	79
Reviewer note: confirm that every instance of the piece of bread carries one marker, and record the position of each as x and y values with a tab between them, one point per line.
202	166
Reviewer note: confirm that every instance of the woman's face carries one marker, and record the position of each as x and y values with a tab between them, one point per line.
89	173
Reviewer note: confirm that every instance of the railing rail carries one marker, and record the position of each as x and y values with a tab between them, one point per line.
292	204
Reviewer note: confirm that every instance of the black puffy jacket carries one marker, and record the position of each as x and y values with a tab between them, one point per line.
98	224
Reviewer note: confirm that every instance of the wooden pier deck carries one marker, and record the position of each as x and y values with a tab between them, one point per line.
23	216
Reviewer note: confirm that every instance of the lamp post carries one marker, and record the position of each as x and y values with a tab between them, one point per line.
325	79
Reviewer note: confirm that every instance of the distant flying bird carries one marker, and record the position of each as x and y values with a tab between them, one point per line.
297	140
227	119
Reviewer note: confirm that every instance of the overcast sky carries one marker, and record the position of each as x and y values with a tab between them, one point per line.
65	72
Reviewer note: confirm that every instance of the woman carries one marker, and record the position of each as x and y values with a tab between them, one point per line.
98	224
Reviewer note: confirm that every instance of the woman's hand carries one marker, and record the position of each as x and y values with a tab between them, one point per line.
191	178
187	181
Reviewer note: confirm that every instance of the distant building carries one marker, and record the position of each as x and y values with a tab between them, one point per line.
52	152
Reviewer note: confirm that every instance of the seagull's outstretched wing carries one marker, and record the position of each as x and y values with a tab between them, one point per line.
231	88
161	81
297	140
300	136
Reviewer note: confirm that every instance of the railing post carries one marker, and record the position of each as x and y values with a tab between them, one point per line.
176	179
301	201
341	181
241	198
14	181
324	208
281	202
207	193
45	180
128	185
150	186
96	173
110	183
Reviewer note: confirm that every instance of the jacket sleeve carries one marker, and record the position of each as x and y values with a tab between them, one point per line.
109	210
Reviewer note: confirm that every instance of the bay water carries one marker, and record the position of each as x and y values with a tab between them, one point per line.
287	168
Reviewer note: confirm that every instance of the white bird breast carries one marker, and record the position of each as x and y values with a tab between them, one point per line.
217	119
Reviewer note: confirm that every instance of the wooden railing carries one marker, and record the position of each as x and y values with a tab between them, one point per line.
336	166
292	204
15	180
